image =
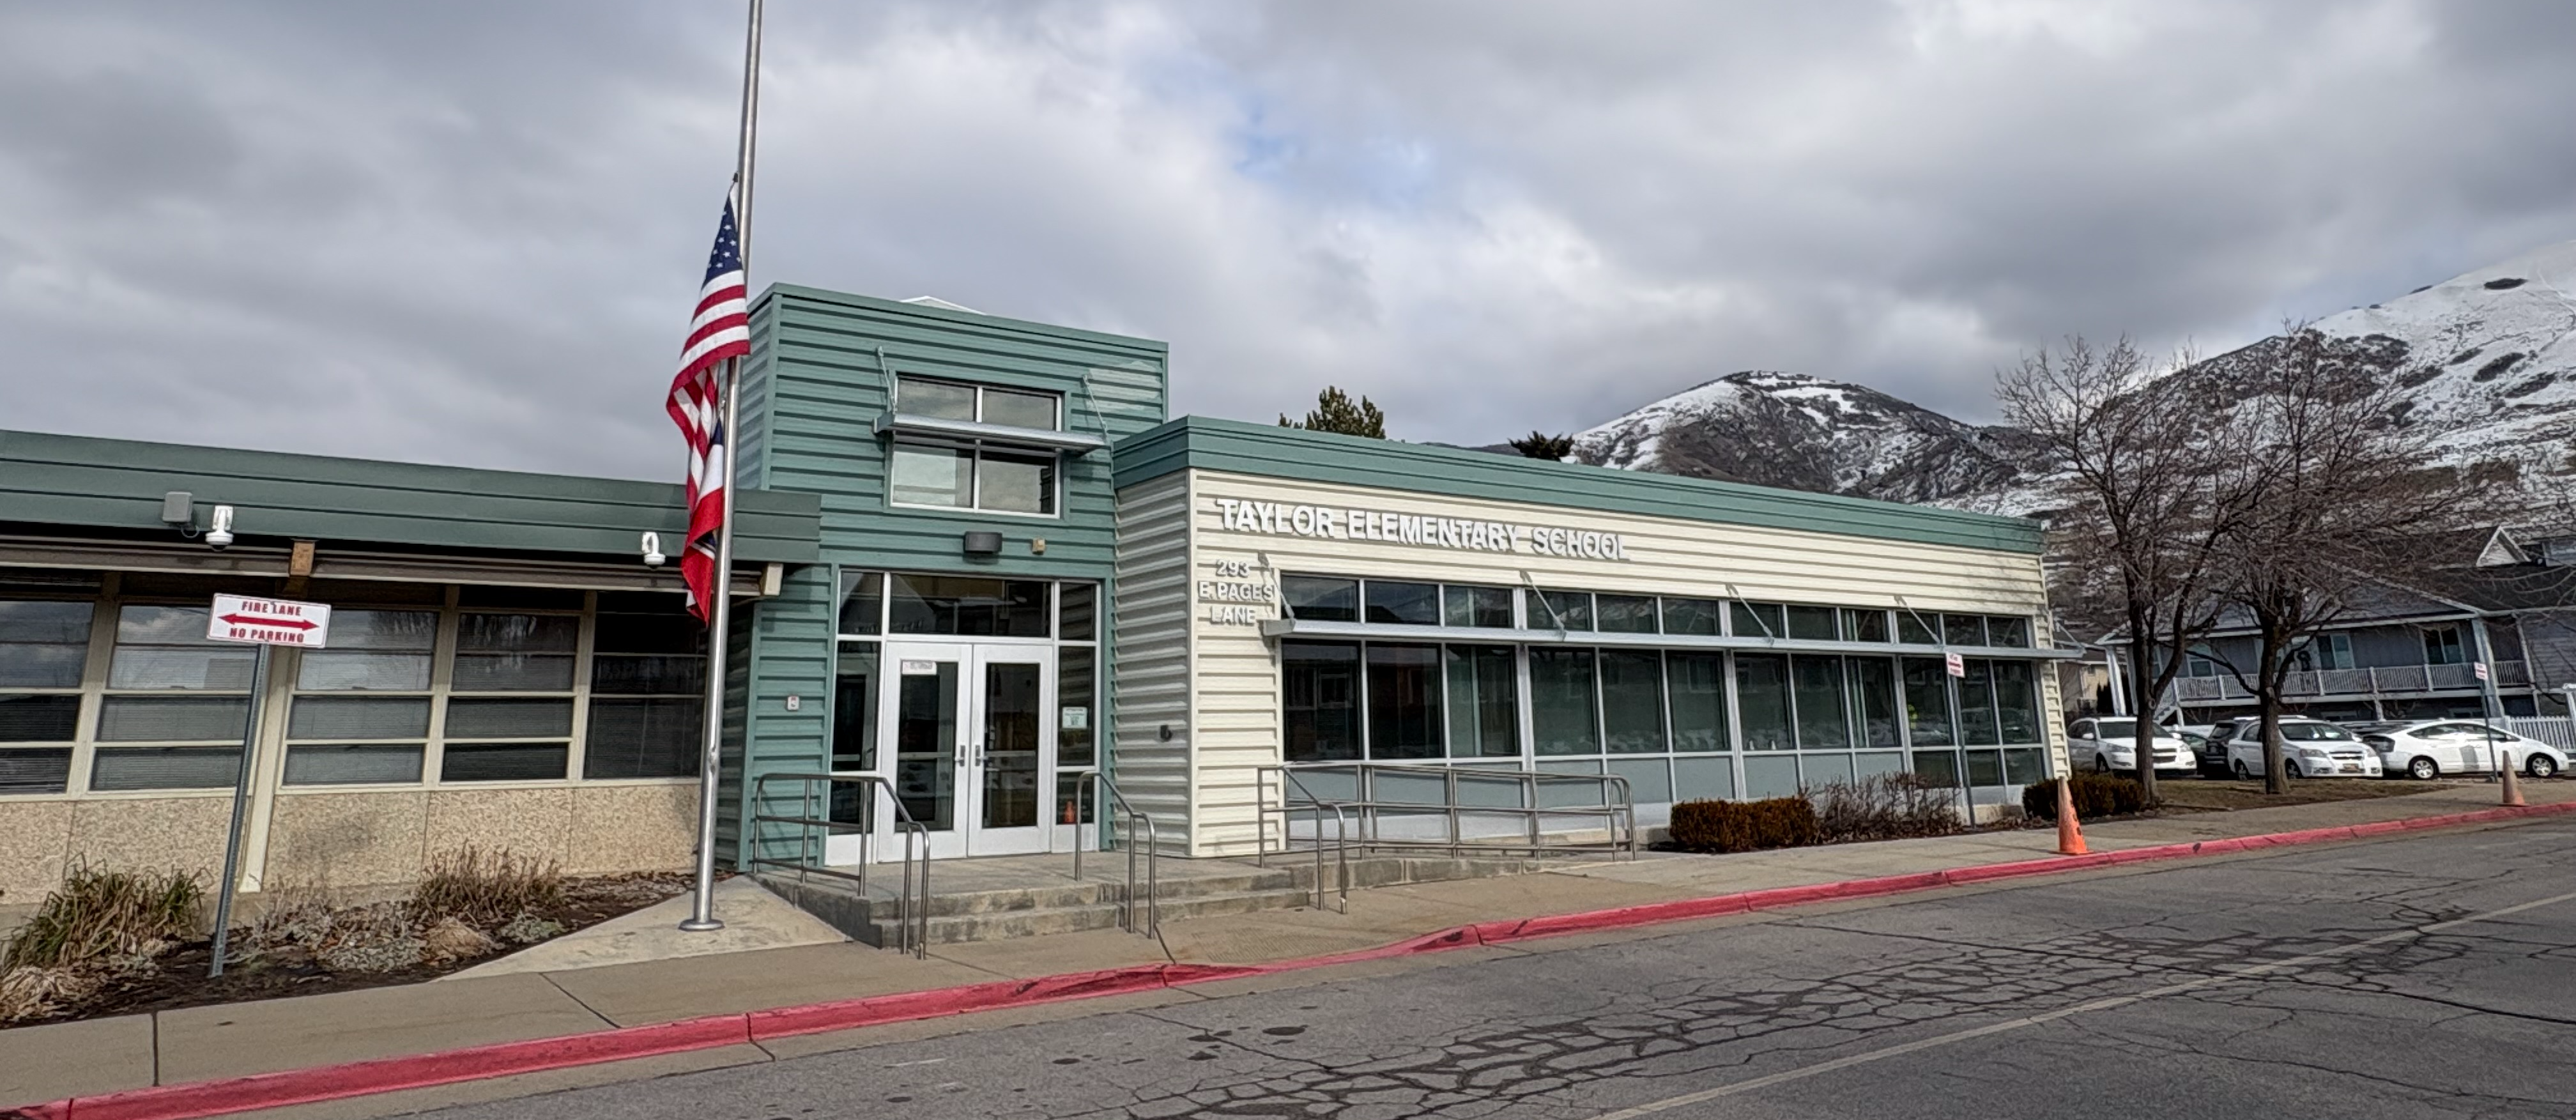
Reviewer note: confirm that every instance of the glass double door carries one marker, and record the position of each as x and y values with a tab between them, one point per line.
972	750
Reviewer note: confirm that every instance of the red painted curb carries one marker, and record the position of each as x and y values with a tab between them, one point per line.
474	1063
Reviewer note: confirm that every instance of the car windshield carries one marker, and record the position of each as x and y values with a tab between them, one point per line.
2312	732
2118	729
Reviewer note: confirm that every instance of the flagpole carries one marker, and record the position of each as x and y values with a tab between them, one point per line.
702	916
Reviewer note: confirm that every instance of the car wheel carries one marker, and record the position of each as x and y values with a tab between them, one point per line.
2101	765
2423	770
2242	774
2540	766
2289	769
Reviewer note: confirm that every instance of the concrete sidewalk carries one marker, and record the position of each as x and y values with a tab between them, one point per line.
206	1043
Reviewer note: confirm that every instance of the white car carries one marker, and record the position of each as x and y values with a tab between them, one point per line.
2429	748
2310	748
2110	743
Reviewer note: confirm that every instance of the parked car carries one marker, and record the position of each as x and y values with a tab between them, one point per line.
2212	748
2310	748
2111	743
2429	748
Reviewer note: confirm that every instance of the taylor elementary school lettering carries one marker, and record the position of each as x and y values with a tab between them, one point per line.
1390	527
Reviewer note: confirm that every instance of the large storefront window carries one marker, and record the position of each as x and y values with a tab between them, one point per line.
176	705
362	707
1666	720
648	685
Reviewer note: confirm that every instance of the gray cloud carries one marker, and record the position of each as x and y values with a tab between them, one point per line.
468	232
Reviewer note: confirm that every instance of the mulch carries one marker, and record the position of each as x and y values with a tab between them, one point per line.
181	980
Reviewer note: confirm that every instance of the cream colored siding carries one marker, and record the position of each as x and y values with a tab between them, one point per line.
1150	679
1235	672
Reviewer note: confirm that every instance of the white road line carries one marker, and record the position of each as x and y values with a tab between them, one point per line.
1803	1072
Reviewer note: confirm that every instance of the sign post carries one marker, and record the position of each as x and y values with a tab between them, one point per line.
264	623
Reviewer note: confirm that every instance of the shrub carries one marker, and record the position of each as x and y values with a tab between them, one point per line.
1886	807
105	914
484	889
2095	795
1743	826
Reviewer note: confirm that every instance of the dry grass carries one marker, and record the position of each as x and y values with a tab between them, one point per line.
2231	794
485	889
99	915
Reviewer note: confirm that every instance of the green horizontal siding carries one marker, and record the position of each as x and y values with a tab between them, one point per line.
814	390
77	481
1266	450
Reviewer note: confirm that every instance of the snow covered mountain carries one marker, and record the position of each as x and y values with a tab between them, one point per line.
2489	356
1807	433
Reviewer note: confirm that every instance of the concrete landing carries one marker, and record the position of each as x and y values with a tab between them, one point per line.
753	918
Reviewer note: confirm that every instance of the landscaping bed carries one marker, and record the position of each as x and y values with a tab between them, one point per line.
2200	795
118	943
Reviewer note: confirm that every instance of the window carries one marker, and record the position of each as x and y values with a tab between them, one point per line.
495	731
1632	701
1694	616
1561	610
2008	630
1403	702
862	603
43	645
1625	614
1762	698
967	605
1873	688
2017	701
1864	626
1963	629
648	686
1320	684
1489	607
991	480
1812	624
1977	707
1915	629
1484	702
1565	712
1757	620
360	713
2442	646
1403	604
989	404
177	704
1823	722
1696	688
2334	651
1927	703
973	475
1321	598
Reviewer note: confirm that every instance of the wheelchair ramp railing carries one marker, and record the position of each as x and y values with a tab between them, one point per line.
1338	807
1093	789
823	811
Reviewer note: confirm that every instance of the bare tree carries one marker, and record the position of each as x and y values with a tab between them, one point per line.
2155	487
2346	494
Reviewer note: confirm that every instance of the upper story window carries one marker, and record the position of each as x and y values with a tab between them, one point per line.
965	474
982	404
2442	646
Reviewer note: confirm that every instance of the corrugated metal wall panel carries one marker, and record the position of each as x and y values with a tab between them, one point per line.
1151	683
823	388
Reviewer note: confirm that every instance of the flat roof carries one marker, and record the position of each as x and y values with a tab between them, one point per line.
115	484
1203	443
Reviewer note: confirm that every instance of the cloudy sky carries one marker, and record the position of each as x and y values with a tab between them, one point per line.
469	232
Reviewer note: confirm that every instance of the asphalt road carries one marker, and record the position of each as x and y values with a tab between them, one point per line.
2431	976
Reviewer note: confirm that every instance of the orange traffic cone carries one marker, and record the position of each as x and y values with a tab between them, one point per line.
2070	835
2512	788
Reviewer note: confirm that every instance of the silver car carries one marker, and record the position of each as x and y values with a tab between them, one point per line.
2429	748
2110	743
2310	748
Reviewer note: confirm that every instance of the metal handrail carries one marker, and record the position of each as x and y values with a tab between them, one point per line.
1152	847
1619	814
912	917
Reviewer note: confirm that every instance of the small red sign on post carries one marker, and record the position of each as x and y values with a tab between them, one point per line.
2481	668
269	622
1958	666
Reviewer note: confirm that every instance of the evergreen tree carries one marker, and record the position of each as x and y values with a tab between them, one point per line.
1540	445
1334	412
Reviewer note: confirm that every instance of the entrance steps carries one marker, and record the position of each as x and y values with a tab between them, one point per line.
989	898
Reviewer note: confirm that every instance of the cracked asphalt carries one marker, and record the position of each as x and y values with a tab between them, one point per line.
2429	976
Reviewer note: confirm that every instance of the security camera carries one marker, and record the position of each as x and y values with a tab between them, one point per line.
652	550
219	533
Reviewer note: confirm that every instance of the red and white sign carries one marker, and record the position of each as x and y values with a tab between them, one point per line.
1958	666
269	622
2481	667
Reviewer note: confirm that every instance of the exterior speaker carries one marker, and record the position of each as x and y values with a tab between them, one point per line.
981	543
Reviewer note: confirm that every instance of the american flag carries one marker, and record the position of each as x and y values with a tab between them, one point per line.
721	330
